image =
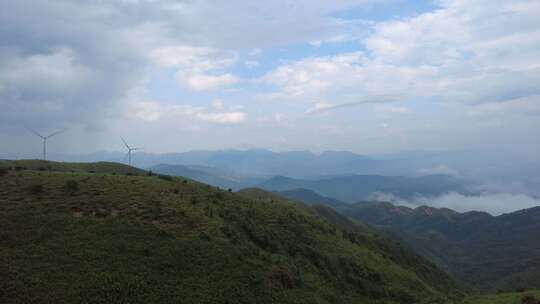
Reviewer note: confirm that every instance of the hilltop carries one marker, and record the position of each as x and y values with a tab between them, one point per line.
76	233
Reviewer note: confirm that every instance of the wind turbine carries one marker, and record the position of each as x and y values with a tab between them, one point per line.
129	150
45	140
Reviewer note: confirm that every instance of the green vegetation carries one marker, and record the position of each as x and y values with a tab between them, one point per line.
506	298
43	165
486	252
125	237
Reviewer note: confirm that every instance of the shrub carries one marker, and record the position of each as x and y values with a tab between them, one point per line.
150	173
71	186
36	189
230	190
3	171
528	299
165	177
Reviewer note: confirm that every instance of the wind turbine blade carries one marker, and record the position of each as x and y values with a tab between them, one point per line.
35	132
55	133
133	149
125	143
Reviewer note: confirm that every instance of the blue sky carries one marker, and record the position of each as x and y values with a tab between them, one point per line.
365	76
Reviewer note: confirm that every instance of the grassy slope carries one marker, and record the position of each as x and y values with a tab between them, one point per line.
370	238
504	298
43	165
141	239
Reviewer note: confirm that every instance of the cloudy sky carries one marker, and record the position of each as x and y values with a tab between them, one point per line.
369	76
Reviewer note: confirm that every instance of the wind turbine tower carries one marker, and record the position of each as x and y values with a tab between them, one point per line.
130	149
44	138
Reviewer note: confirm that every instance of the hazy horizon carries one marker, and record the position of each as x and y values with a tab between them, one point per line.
383	79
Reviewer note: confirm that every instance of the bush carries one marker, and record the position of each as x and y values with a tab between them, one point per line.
528	299
165	177
71	186
150	173
36	189
3	171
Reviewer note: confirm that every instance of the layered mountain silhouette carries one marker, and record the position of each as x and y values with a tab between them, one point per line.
488	252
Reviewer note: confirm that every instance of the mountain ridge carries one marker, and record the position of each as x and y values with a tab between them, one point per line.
489	252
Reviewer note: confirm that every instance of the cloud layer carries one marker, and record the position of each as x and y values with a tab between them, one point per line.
493	203
455	75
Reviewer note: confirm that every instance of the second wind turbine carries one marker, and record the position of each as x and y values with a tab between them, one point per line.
130	149
44	138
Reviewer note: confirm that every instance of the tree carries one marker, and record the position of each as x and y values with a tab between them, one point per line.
71	186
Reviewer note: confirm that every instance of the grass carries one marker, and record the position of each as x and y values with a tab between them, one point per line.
503	298
126	237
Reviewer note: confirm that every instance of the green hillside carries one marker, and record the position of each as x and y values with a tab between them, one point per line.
311	197
43	165
81	237
504	298
487	252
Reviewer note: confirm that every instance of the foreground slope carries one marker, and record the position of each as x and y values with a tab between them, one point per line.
488	252
505	298
154	239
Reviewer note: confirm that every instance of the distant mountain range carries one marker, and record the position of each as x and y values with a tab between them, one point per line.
355	188
493	170
208	175
338	190
488	252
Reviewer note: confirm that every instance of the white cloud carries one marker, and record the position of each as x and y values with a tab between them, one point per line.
397	110
314	76
218	105
493	203
251	63
201	81
185	56
323	107
223	118
152	111
471	52
440	169
148	111
529	105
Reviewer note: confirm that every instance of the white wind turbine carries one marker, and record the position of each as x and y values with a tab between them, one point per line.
44	138
129	150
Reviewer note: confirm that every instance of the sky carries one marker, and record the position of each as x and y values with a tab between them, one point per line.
364	76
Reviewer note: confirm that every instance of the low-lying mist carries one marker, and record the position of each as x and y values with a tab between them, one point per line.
493	203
